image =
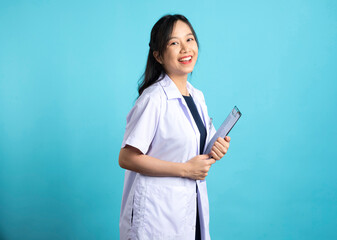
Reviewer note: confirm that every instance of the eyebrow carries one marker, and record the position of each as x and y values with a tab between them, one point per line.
185	36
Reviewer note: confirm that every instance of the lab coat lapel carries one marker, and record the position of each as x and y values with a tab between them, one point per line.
189	116
208	123
202	109
172	92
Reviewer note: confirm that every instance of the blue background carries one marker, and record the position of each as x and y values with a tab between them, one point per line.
68	78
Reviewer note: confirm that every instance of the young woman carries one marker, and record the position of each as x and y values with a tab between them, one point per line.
165	194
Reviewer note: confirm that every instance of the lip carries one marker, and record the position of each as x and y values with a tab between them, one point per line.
187	62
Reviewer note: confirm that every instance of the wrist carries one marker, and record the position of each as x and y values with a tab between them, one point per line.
183	170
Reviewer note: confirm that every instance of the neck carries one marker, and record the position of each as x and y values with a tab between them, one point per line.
181	83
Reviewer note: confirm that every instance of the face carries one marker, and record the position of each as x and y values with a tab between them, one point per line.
181	51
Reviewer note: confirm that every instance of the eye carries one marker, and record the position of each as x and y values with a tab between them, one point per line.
173	43
190	39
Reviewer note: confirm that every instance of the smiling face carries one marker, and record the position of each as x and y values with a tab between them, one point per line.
181	52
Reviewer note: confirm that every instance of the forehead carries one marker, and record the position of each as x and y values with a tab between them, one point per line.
180	29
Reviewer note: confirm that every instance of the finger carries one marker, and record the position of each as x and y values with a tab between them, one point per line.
225	144
201	177
218	152
227	138
222	147
222	141
204	156
214	155
211	161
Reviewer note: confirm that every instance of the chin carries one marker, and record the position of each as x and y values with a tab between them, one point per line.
189	71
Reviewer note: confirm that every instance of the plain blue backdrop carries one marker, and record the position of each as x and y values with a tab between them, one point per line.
68	78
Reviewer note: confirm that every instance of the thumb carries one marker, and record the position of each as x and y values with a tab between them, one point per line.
211	161
204	156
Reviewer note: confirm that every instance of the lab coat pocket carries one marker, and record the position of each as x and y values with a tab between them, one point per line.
137	212
166	209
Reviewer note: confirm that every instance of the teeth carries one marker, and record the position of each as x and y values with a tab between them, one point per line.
185	59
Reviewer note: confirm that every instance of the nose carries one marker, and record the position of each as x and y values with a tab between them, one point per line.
184	48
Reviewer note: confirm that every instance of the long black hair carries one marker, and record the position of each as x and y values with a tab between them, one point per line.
160	34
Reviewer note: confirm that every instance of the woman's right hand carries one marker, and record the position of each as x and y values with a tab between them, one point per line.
197	168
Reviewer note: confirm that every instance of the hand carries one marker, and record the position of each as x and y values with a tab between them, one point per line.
220	148
197	168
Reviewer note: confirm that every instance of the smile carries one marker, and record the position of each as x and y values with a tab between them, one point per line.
185	60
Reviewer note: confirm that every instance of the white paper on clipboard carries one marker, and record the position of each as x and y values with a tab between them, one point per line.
225	128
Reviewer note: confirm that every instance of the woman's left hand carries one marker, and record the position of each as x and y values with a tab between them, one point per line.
220	147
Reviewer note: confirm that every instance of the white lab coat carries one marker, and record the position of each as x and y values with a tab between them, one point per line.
161	125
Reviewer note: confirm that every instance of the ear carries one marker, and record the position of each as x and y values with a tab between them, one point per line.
156	56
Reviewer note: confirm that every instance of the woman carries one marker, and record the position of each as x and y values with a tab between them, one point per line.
165	194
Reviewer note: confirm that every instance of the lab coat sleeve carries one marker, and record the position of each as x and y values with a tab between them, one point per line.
142	122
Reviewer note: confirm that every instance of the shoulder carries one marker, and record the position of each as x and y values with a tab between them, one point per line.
152	95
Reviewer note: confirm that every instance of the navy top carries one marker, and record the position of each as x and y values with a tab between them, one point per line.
203	133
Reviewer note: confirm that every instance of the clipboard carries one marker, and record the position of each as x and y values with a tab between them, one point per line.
225	128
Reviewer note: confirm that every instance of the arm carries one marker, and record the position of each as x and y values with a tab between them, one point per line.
196	168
